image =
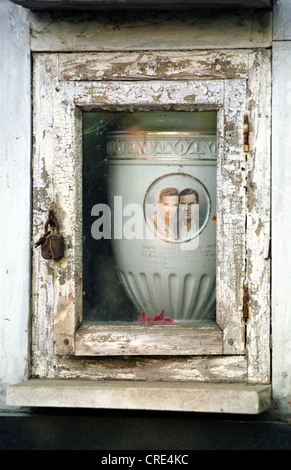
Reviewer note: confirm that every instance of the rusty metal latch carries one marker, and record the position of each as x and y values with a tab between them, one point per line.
52	241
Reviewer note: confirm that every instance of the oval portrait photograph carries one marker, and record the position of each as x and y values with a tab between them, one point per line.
177	207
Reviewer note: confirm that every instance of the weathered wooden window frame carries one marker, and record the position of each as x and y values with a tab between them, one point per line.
65	85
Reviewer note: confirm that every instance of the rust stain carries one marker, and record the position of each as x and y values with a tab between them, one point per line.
246	134
246	299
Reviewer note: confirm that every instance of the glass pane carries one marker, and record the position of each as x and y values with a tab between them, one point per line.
149	217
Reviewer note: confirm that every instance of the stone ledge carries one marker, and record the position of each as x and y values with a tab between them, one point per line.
139	395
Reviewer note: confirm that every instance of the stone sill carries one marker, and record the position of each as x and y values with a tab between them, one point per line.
139	395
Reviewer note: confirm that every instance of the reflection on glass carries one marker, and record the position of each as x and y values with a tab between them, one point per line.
149	211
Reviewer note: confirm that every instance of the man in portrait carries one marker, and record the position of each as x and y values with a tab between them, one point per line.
164	221
188	213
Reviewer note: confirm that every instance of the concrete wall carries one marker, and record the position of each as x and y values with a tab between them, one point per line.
15	150
15	196
281	200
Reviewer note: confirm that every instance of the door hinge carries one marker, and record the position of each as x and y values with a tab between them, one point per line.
246	133
245	309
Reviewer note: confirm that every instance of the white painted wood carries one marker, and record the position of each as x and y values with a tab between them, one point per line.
231	96
92	340
67	202
130	95
67	177
43	175
59	132
258	218
210	369
15	149
163	31
231	209
157	65
166	396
